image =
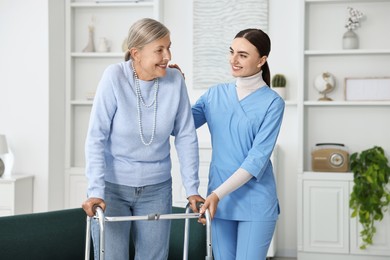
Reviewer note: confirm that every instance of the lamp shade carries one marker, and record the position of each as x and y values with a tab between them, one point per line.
6	157
3	145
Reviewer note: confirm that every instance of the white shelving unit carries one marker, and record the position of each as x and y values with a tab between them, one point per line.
338	121
84	69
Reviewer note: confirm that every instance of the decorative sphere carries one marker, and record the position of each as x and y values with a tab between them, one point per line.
324	83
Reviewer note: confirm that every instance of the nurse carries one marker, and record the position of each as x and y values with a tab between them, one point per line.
244	119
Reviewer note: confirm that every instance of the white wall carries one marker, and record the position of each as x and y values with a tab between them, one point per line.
24	89
32	94
26	102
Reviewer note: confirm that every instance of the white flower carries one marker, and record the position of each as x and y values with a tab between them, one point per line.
353	20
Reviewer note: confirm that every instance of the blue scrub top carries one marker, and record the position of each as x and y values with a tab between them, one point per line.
243	134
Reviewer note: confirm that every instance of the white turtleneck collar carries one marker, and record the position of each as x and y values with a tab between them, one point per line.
247	85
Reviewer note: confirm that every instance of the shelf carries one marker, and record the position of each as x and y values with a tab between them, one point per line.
346	52
97	54
310	175
82	102
346	103
76	171
14	177
290	103
117	4
344	1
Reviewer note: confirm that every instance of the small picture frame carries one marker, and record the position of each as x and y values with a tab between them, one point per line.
367	89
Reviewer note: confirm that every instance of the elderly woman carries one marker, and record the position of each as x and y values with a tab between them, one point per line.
138	105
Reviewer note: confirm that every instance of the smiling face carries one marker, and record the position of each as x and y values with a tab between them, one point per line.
151	60
245	60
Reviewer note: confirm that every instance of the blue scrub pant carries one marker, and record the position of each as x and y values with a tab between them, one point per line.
151	238
241	240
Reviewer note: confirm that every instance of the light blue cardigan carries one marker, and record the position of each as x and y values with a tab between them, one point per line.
114	151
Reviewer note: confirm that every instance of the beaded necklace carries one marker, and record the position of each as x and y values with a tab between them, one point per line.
140	101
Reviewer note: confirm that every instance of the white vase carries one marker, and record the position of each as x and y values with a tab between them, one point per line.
91	44
281	91
103	45
350	40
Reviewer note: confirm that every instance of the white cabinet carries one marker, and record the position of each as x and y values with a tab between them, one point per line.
111	20
16	195
324	223
326	216
325	226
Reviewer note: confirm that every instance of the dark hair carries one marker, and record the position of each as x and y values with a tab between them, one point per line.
263	45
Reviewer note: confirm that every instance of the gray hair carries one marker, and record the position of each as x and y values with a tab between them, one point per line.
142	32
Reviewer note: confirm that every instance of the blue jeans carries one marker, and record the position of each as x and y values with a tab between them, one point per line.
151	238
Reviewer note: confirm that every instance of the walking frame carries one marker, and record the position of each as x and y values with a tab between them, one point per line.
187	216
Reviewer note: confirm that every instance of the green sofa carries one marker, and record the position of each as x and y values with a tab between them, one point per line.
61	235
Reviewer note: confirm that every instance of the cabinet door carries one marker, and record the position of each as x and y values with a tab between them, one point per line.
326	216
6	199
381	240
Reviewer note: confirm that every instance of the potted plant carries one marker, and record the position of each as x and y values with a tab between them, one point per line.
278	84
370	196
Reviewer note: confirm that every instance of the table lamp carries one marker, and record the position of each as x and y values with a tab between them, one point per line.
6	157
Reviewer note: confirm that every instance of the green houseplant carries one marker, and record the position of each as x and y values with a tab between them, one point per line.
278	81
278	84
370	196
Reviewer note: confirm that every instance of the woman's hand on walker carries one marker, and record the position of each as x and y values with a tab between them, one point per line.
193	202
91	204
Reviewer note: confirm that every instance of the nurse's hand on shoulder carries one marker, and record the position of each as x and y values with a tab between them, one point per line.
175	66
91	204
211	203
